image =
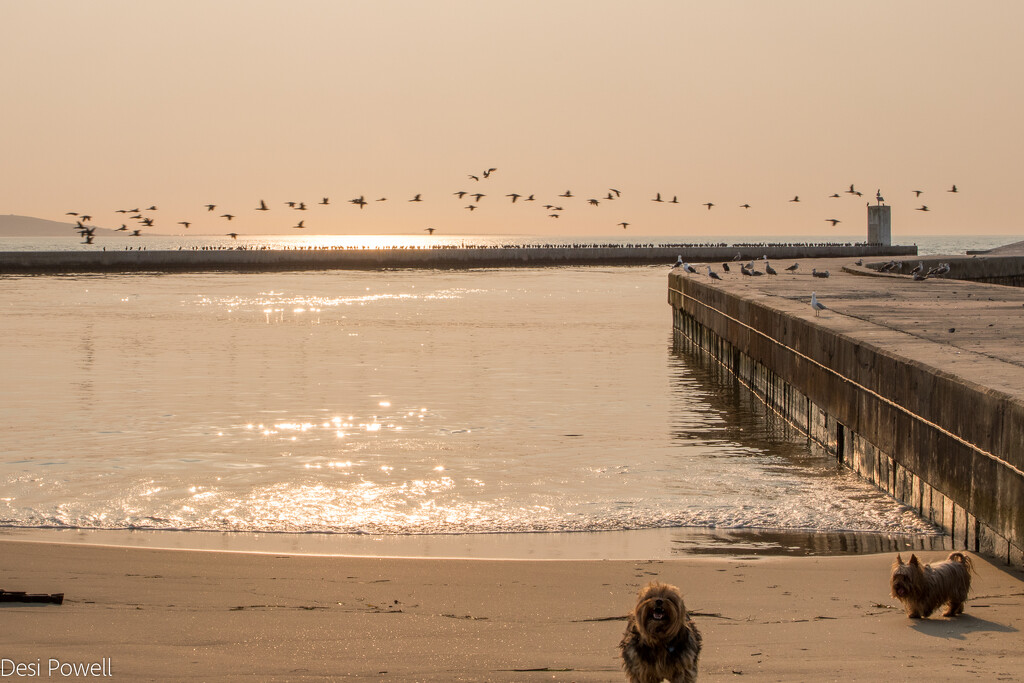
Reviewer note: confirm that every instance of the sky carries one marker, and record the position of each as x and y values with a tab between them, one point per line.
120	104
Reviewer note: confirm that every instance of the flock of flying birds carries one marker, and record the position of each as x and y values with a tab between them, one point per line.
553	207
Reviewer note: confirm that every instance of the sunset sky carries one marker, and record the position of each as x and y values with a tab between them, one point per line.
112	104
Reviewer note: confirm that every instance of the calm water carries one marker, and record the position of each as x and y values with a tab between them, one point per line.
400	402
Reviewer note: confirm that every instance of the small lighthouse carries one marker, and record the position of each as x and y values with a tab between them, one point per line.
879	222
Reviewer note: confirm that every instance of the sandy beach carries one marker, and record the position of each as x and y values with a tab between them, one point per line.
216	616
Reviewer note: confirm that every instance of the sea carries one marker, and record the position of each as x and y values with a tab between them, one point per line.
518	413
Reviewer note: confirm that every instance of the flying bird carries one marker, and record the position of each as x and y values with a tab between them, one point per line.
833	221
708	204
795	199
233	235
227	215
567	193
262	206
211	207
300	225
624	225
657	198
429	231
952	189
185	223
325	201
923	207
416	199
359	201
514	196
917	193
744	206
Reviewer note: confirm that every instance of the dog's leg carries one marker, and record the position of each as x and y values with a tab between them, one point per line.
955	608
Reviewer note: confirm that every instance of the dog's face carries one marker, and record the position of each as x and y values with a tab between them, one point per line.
659	613
906	577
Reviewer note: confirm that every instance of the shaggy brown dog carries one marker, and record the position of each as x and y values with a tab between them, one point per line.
660	641
922	588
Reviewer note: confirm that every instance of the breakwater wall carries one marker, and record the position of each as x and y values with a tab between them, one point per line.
950	449
143	260
995	270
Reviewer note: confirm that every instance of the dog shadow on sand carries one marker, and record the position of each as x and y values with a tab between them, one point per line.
957	628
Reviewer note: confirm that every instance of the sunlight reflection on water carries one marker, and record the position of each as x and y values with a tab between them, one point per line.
400	402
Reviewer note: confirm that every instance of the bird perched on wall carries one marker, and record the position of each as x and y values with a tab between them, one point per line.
919	269
768	269
713	275
725	267
792	268
817	305
689	269
815	273
679	261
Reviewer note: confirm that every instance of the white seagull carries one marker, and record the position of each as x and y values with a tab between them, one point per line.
817	305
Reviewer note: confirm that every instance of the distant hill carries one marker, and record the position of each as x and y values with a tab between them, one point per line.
26	226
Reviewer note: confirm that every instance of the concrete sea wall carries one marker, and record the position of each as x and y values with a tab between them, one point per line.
951	450
371	259
996	270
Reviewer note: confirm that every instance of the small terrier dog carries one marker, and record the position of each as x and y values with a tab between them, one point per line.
661	641
922	588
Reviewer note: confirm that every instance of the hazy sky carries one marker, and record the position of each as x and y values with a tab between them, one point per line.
123	104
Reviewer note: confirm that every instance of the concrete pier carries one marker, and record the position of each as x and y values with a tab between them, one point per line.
370	259
917	386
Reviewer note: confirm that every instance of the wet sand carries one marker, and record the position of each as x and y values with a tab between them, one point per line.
188	615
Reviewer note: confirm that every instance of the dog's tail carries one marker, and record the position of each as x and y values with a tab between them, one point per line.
962	559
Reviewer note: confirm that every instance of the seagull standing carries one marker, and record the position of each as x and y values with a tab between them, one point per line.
817	305
713	275
679	261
